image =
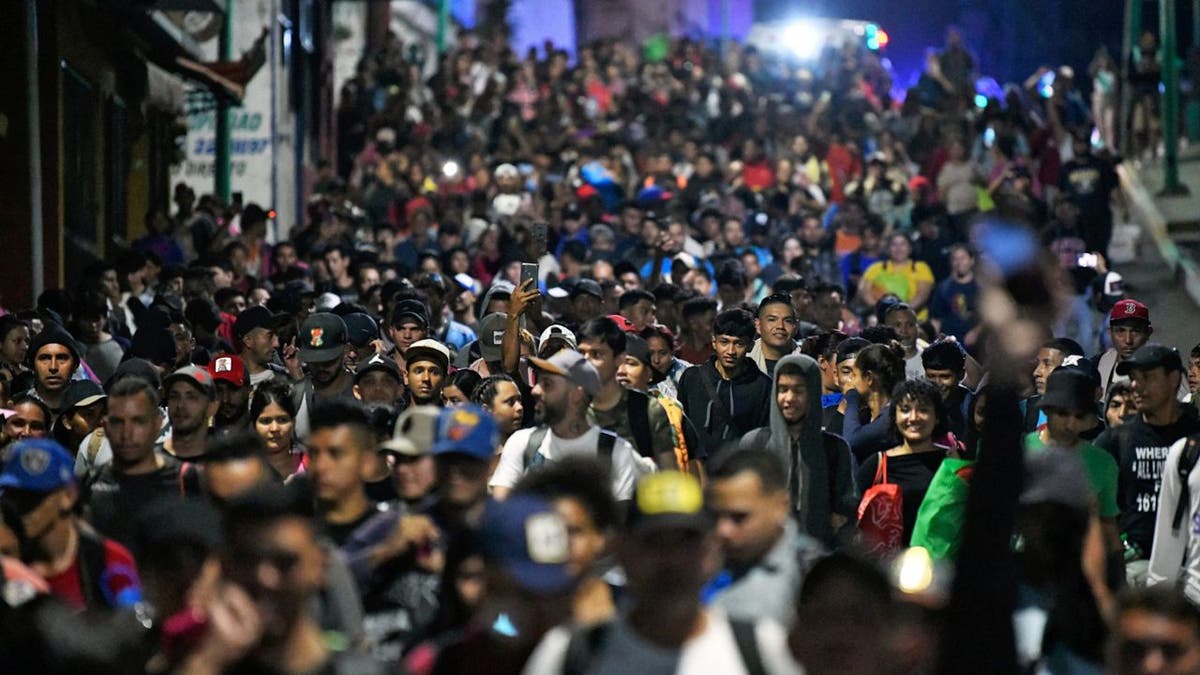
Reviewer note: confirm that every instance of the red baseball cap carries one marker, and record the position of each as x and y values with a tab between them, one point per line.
625	325
1129	310
228	368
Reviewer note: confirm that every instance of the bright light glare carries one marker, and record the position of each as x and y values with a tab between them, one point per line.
981	101
450	169
914	570
804	39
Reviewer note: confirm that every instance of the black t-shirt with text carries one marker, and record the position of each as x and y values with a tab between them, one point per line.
1140	450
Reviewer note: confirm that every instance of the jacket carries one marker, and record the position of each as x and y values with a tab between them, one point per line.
1107	365
756	355
1176	553
731	409
820	479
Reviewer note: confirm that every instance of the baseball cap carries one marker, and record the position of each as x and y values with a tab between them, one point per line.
361	329
587	287
558	332
624	324
527	538
256	317
563	289
572	365
506	169
135	367
491	334
37	465
465	430
1129	310
1152	355
81	393
229	368
194	375
412	309
378	362
572	212
637	347
1069	389
428	350
322	337
414	431
669	500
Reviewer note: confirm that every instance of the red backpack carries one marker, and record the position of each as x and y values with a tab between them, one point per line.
881	514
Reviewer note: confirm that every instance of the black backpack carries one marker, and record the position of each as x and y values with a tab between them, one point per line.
1187	462
587	642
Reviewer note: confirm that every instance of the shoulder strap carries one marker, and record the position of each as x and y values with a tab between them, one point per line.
585	643
531	447
94	443
710	388
90	566
638	406
881	469
183	472
747	644
605	445
1187	462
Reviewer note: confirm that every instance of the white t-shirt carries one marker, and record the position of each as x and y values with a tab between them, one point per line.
625	466
712	651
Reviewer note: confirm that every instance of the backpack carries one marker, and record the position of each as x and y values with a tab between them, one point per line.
683	435
531	457
1187	462
881	514
587	642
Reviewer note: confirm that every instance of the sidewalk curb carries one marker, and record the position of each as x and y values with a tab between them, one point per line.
1147	214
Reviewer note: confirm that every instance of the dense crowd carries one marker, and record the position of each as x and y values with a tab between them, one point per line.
685	360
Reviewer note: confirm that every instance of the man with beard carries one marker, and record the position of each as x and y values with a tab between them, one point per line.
191	403
322	342
254	335
775	325
566	385
232	380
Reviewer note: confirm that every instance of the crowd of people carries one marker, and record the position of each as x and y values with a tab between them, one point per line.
684	362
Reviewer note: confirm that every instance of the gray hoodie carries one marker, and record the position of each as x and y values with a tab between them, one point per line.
820	479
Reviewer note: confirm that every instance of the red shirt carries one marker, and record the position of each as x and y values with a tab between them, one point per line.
119	575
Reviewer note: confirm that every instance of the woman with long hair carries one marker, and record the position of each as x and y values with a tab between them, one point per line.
916	418
877	370
274	418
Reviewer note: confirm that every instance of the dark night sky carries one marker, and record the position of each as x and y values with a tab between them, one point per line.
1010	38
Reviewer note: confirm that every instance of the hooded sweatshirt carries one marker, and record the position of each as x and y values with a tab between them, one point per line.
820	475
731	409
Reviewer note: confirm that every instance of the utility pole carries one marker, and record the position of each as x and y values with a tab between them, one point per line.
224	145
1170	101
443	24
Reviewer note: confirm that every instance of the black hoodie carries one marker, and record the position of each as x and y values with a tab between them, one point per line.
724	410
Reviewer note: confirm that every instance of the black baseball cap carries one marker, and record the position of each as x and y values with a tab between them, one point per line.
80	394
587	287
256	317
361	329
322	337
380	362
1152	355
413	309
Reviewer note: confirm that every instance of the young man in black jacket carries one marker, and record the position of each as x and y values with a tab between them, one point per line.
727	396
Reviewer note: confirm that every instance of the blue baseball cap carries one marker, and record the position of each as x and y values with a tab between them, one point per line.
37	465
466	430
527	538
